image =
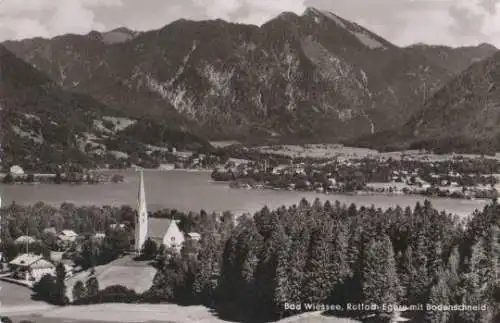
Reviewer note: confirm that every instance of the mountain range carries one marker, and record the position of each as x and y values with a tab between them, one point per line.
308	77
463	116
43	125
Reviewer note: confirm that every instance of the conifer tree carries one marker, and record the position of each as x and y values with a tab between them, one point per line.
355	255
237	288
206	277
297	262
340	266
419	286
380	279
281	278
60	284
453	276
319	276
406	274
476	282
439	295
79	291
436	262
267	270
92	286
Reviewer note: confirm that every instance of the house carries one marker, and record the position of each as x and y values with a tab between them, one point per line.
31	267
56	256
24	240
16	171
194	236
166	232
67	236
69	267
50	230
117	226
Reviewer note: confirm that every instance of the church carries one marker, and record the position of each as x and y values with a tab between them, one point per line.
161	231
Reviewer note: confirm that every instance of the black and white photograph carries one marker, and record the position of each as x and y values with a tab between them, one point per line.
249	161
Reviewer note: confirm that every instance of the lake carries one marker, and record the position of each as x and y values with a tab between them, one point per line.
193	191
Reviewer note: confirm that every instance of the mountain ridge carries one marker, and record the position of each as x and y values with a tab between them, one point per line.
43	126
460	117
312	76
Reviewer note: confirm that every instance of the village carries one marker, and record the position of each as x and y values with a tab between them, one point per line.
458	177
27	260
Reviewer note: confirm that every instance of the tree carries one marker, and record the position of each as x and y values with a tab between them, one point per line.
117	178
436	262
281	292
150	249
92	287
300	240
319	274
8	179
380	279
46	289
439	294
30	178
58	178
89	254
79	291
419	285
60	284
206	278
453	276
406	273
478	286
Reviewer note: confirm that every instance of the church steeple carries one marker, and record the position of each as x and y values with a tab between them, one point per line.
141	221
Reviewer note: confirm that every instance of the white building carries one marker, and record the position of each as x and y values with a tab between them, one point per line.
25	240
67	236
194	236
165	232
141	220
31	267
161	231
16	170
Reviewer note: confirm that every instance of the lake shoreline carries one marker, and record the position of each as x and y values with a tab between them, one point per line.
354	193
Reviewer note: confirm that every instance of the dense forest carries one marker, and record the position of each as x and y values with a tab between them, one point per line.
337	254
254	268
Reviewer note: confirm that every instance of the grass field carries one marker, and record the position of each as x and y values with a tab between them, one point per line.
316	151
333	150
124	271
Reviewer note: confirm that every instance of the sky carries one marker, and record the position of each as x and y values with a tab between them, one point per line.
404	22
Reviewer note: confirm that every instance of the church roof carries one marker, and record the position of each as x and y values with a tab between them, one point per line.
158	227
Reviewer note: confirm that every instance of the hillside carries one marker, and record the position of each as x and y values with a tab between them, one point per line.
43	125
462	117
314	76
455	59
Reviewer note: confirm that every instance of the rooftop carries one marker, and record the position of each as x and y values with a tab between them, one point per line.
30	260
69	233
157	227
24	239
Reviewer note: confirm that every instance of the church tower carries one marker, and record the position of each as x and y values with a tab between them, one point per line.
141	221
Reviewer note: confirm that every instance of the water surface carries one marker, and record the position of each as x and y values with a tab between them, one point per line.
193	191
